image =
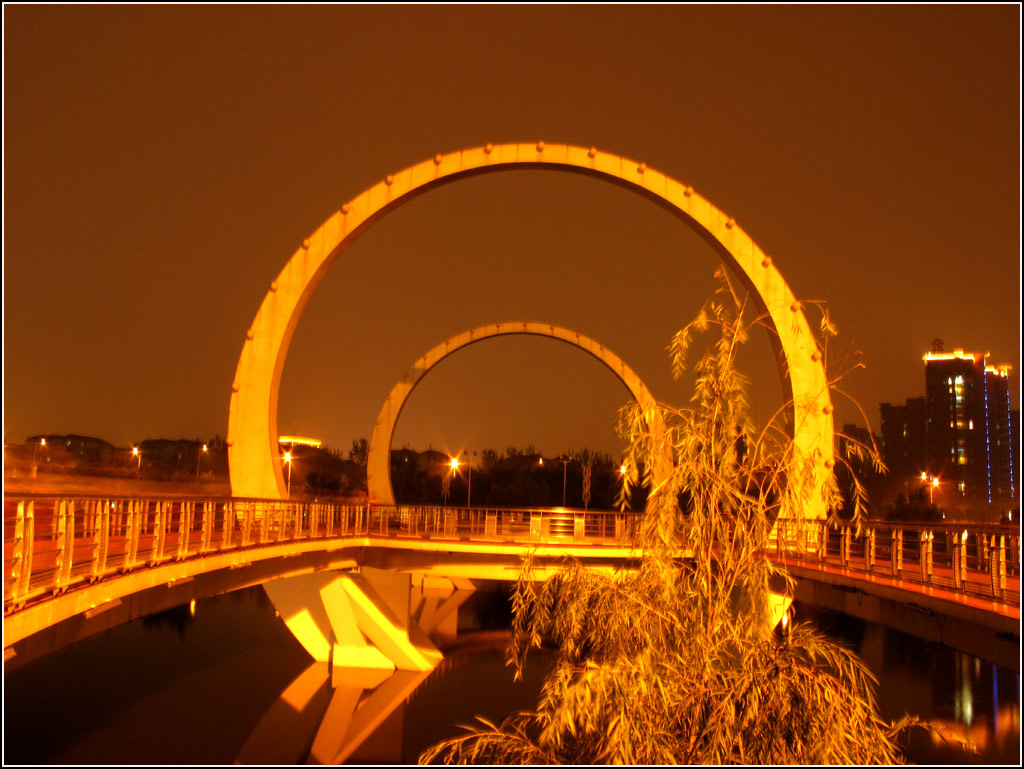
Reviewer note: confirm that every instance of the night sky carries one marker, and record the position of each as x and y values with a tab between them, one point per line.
161	164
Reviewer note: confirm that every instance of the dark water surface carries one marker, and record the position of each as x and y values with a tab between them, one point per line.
184	689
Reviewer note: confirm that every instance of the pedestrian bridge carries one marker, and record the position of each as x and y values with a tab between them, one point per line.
76	566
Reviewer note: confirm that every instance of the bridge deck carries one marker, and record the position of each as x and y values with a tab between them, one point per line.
58	548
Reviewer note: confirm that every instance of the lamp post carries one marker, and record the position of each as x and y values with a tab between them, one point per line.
199	458
625	489
35	449
933	483
138	456
565	460
288	461
469	484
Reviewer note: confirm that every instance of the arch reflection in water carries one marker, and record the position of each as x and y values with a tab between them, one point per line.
335	713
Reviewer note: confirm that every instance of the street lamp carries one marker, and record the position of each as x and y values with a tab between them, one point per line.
933	483
35	449
288	461
199	458
469	484
565	464
138	456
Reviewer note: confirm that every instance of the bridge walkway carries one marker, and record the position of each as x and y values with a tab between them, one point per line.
59	548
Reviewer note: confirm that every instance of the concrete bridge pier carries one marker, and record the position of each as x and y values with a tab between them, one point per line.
370	618
369	634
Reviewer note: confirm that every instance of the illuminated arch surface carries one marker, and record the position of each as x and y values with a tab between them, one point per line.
252	421
378	466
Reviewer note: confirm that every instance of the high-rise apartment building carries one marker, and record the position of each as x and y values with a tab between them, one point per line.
968	425
961	434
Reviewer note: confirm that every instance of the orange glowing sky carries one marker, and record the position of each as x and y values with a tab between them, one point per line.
161	164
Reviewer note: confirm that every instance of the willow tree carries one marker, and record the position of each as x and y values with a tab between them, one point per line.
678	660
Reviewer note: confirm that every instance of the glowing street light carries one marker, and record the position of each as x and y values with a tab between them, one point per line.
35	449
933	483
288	461
469	484
138	456
199	458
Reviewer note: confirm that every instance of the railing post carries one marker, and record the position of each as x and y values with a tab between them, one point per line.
117	518
88	518
896	553
227	525
1013	565
65	544
997	567
133	526
269	511
925	557
160	530
245	521
579	527
869	550
24	537
184	527
535	526
247	513
101	540
958	575
982	541
207	538
822	551
844	547
285	511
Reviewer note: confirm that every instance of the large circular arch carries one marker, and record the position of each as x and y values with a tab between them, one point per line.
378	465
252	419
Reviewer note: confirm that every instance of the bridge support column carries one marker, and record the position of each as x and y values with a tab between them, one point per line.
435	604
367	631
354	620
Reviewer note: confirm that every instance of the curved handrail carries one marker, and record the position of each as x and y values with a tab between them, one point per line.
55	544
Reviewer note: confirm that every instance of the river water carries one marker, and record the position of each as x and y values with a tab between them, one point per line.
192	687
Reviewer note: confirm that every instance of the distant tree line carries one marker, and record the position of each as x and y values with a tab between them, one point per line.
514	477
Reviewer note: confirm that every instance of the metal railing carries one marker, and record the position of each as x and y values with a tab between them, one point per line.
53	544
980	560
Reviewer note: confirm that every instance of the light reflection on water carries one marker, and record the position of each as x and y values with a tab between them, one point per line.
972	699
184	689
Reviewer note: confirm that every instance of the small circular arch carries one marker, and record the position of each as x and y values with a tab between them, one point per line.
378	465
